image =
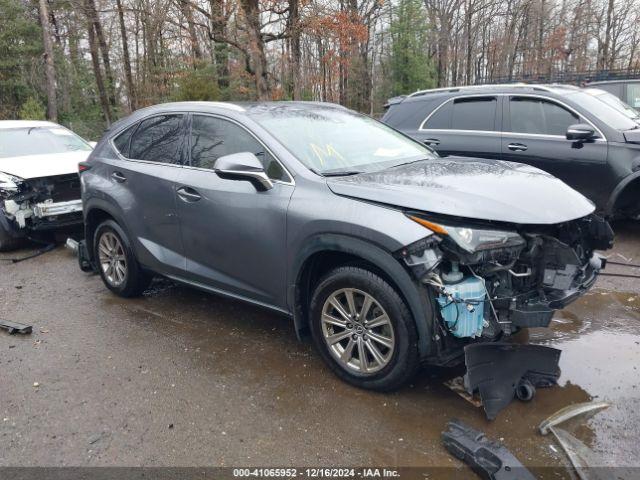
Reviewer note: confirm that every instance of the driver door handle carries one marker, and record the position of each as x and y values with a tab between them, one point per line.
517	147
431	141
188	194
118	177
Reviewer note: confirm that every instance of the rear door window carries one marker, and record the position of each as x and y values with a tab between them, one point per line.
159	139
213	137
537	116
123	140
633	95
477	113
440	119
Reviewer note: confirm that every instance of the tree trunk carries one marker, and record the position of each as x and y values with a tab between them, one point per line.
468	21
92	14
251	10
220	47
607	35
294	48
126	58
95	60
50	71
540	40
185	8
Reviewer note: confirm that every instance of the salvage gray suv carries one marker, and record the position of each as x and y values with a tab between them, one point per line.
390	256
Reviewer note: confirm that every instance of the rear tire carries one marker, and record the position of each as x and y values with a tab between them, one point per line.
7	241
355	314
116	262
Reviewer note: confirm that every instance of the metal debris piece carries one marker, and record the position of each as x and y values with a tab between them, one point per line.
15	327
72	245
569	412
490	460
582	457
584	460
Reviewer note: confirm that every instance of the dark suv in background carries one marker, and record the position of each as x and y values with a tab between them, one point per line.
626	90
564	130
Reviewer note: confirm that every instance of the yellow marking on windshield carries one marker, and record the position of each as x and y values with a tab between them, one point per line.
327	151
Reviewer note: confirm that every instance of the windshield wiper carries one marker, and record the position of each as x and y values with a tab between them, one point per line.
408	163
340	173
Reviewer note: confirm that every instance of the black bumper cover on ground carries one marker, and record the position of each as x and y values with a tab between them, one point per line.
497	370
490	460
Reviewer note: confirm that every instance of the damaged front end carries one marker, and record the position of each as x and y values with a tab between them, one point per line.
487	281
39	204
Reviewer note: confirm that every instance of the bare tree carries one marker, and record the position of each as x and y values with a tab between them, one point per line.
126	59
50	72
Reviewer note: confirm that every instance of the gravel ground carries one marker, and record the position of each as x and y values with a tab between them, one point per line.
183	378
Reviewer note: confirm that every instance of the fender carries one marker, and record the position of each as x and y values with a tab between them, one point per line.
617	191
409	288
95	203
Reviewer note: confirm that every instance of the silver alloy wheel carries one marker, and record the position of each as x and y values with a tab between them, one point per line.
357	331
112	259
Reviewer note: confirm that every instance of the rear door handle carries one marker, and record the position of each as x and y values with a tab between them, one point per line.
118	177
431	141
517	147
188	194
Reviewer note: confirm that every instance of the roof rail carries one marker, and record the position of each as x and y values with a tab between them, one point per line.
419	93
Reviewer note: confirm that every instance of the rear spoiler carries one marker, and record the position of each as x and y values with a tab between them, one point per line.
394	101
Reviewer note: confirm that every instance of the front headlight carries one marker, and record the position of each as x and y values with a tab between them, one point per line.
474	239
8	182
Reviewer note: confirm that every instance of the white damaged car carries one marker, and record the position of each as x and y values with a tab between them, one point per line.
39	183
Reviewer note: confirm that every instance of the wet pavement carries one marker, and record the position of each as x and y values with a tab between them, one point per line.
183	378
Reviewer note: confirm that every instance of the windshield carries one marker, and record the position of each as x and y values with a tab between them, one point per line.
328	140
613	101
19	142
605	113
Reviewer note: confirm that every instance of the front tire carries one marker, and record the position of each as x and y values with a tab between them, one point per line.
7	241
363	329
117	264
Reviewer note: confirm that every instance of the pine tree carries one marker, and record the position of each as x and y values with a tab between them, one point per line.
409	63
20	48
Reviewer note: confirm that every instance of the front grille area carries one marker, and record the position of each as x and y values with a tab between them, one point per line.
66	187
59	188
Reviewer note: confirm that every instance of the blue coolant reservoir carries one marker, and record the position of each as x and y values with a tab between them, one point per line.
465	316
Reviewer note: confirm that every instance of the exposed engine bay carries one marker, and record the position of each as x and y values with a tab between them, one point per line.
39	203
487	281
490	281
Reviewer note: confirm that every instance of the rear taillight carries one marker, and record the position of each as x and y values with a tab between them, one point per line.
83	167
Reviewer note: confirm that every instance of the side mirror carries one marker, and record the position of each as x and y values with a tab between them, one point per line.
243	166
580	131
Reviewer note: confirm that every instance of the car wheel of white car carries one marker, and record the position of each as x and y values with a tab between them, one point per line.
363	329
117	265
8	242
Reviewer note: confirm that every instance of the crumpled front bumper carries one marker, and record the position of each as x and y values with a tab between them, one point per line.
537	312
51	209
22	216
